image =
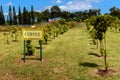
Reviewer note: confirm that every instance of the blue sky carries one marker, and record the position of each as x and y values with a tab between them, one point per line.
69	5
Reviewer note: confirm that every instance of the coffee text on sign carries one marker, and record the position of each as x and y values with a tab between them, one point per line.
32	34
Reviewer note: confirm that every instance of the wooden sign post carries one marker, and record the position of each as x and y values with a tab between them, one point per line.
32	34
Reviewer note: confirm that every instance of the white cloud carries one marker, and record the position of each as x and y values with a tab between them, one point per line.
37	10
48	7
75	5
70	3
9	4
58	1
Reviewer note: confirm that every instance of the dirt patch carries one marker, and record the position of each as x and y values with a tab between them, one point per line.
102	72
30	61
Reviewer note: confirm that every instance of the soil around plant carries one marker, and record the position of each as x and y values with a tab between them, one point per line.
102	72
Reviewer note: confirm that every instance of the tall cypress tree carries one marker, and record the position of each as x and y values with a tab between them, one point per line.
7	21
19	16
32	15
2	18
14	16
28	17
10	16
24	16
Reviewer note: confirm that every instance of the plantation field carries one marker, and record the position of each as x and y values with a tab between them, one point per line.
68	57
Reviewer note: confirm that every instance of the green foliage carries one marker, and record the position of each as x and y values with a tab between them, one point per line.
72	24
63	26
87	22
10	15
6	34
115	12
46	35
56	28
100	25
52	30
32	15
14	16
14	32
24	16
28	17
55	12
115	25
2	18
45	15
19	16
62	58
30	49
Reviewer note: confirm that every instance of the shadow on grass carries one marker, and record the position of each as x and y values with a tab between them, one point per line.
88	64
94	54
15	41
92	48
30	58
45	43
38	47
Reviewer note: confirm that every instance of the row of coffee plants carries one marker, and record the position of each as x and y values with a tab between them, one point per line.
14	32
115	26
97	27
52	30
11	32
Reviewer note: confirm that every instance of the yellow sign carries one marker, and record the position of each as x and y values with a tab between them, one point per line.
28	34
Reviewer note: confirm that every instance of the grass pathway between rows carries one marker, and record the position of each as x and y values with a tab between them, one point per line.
65	58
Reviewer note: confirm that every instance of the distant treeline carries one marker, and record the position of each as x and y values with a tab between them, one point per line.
26	17
22	18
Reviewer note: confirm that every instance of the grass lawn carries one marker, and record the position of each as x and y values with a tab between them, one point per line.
67	57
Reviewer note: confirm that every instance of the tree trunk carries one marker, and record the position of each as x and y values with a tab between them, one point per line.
105	54
101	51
97	46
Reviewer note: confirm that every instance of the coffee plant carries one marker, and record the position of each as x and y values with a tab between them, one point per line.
6	34
100	25
30	49
14	32
52	30
115	25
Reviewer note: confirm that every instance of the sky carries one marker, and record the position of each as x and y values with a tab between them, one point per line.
68	5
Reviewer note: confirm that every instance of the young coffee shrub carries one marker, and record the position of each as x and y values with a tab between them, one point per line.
57	28
46	35
30	49
100	26
14	32
63	26
6	34
72	24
